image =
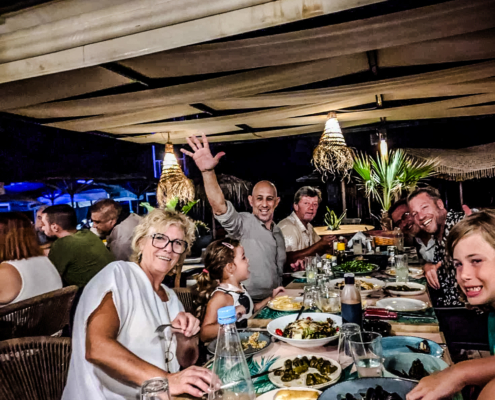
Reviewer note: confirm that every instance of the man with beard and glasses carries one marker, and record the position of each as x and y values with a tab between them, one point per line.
261	238
429	213
423	241
301	240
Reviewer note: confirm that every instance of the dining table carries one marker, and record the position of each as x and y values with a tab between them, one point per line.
343	230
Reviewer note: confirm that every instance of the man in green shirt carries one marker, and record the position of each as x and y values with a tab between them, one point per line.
77	255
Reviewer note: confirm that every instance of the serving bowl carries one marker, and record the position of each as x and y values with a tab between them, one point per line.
357	387
403	362
282	322
377	284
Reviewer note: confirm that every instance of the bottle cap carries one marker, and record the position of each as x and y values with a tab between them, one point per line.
340	246
349	279
226	315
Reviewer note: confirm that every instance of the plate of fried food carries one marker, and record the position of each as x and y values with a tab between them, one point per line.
302	371
366	285
285	303
294	393
252	343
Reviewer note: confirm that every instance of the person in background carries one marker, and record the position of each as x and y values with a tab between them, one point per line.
115	344
219	285
77	255
429	213
24	271
422	240
301	240
44	241
260	237
471	244
115	225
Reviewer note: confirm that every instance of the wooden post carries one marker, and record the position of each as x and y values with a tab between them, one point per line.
460	193
344	203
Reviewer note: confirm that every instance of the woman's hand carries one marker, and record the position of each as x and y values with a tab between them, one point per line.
431	274
186	323
438	386
277	291
193	380
240	311
297	266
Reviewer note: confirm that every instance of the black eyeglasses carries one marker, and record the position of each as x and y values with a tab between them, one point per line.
402	219
161	241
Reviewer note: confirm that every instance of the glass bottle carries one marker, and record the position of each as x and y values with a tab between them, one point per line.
229	364
341	251
350	301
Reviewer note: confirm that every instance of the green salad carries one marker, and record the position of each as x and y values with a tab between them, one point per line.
355	266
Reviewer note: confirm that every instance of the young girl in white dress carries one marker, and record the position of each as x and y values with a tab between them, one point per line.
219	285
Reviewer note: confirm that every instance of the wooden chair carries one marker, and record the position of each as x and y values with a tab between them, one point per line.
42	315
186	298
34	368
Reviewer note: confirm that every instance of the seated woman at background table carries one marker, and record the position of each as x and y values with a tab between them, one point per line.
24	271
115	345
471	243
219	285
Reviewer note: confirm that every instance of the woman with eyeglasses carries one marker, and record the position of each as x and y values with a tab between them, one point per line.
116	346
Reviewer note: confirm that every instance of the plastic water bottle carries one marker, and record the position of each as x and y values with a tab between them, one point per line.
230	363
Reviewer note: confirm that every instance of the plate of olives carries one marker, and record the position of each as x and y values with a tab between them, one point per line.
303	371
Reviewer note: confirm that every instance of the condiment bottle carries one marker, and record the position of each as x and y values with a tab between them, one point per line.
341	251
350	301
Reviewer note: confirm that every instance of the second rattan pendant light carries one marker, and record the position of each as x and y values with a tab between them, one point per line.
173	182
332	156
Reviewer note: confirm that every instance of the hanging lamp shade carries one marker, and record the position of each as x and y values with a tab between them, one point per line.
173	182
332	156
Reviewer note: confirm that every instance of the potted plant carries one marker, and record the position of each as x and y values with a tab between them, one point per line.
385	178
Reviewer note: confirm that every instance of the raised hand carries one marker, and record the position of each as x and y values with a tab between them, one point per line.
201	153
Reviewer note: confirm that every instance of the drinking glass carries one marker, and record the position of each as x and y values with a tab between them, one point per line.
155	389
329	298
311	300
327	267
311	271
401	268
346	330
366	349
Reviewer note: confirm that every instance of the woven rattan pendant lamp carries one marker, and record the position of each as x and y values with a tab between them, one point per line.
332	156
173	182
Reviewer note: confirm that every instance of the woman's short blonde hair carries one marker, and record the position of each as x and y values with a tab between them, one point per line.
161	220
482	222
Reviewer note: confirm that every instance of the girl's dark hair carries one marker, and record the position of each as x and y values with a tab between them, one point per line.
17	237
218	254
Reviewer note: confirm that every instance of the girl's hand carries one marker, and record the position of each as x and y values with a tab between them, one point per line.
437	386
240	311
186	323
193	380
277	291
431	274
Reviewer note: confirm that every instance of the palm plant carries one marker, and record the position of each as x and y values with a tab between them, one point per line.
385	178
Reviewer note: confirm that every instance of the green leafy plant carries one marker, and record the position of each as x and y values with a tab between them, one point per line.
385	178
332	221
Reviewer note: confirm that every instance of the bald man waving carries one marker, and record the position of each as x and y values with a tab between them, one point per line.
262	240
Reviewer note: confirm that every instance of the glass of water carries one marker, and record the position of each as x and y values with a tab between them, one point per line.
311	271
401	268
329	299
366	349
346	330
311	300
155	389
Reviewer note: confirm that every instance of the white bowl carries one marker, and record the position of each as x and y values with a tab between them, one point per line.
377	283
420	289
282	322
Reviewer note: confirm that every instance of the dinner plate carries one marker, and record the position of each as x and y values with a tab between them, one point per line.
419	289
244	336
402	304
271	394
297	299
377	284
299	275
195	260
282	322
398	344
336	271
301	381
413	272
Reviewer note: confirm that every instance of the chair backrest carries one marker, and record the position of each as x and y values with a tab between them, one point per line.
34	368
186	298
42	315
